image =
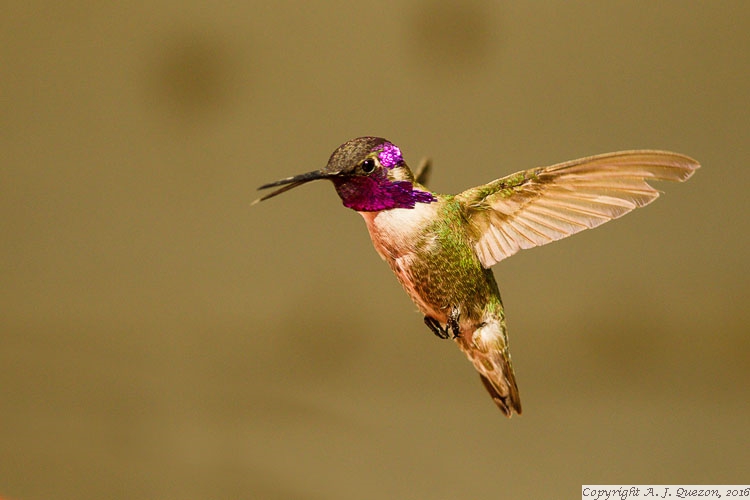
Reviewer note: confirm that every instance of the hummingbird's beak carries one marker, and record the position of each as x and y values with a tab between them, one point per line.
291	182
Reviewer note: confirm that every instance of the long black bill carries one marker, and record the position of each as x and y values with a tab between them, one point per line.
291	182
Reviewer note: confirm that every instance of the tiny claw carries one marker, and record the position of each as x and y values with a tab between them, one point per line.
436	328
453	323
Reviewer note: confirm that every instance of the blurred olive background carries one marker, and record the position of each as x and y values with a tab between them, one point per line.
163	339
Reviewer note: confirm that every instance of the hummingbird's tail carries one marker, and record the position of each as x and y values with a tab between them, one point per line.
487	348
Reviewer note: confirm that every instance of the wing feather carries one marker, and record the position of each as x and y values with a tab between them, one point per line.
541	205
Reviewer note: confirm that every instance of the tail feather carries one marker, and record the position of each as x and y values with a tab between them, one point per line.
487	349
504	390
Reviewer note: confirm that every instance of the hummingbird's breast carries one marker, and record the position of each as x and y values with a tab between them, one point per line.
430	253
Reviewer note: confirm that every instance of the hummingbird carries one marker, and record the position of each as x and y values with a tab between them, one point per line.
442	247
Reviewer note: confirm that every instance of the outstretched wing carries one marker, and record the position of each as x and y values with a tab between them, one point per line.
540	205
422	173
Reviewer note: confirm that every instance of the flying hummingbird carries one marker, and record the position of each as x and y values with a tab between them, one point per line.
441	247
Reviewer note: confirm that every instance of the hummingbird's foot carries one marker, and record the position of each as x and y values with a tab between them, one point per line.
453	323
436	327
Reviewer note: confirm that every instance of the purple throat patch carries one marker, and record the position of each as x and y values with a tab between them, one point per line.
390	155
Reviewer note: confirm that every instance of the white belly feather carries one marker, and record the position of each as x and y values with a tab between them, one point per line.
394	234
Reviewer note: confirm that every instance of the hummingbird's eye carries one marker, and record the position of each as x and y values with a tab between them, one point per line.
368	166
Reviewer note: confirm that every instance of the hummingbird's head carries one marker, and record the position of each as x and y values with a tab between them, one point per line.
369	174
